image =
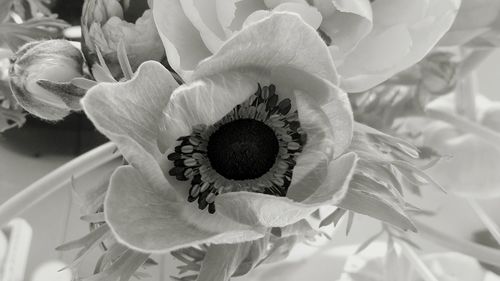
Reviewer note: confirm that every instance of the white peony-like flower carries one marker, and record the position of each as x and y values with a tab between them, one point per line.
370	41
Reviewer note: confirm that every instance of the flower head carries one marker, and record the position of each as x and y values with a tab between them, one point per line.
370	41
106	23
257	137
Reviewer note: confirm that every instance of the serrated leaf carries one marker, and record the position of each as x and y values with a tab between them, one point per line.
333	217
373	205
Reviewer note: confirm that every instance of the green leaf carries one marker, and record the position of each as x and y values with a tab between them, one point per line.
15	35
333	217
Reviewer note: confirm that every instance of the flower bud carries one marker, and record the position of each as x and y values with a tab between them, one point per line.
40	76
107	22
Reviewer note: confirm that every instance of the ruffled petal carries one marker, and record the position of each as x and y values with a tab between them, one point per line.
233	13
346	22
128	113
206	101
339	112
183	43
264	210
261	45
150	220
397	41
309	14
335	186
323	142
474	19
203	16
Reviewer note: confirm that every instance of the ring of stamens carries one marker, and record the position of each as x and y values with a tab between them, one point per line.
263	158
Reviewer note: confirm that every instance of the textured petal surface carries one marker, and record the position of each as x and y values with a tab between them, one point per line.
270	43
206	101
203	15
327	138
397	41
346	22
128	113
271	211
309	14
148	220
183	44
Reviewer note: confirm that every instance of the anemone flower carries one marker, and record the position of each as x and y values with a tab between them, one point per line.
255	140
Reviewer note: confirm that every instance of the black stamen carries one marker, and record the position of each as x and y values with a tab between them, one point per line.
243	149
244	145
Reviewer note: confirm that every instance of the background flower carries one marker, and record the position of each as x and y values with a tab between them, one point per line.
369	42
477	25
106	23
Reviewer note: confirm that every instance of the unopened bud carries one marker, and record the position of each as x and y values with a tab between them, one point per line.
40	78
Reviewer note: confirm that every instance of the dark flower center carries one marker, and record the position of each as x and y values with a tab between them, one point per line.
252	148
243	149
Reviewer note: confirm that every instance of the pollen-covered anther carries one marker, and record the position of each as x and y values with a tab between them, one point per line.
253	148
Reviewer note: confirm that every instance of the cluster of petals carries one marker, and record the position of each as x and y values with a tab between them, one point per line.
370	41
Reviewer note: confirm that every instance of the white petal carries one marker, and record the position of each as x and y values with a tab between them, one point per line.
203	16
346	23
233	13
309	14
396	44
206	101
150	220
271	211
183	44
128	113
270	43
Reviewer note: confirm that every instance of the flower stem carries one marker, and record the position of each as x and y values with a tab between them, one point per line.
466	126
482	253
55	180
485	219
417	262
